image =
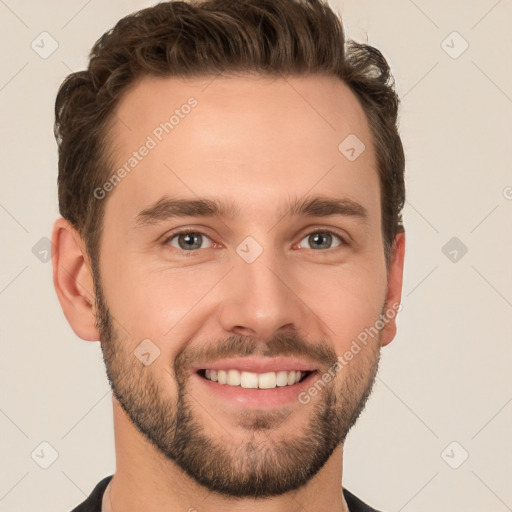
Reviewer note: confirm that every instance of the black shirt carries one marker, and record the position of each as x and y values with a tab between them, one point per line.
93	502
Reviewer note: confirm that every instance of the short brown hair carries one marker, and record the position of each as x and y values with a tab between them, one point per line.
201	38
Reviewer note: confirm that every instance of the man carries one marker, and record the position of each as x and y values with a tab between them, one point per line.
231	185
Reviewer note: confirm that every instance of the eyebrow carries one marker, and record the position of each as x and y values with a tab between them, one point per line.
308	206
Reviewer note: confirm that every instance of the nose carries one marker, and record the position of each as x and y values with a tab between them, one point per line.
261	298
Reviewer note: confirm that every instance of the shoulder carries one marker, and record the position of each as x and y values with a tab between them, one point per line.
93	502
355	504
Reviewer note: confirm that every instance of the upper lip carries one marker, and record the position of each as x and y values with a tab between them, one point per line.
257	365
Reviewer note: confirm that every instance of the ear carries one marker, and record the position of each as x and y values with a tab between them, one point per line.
72	278
394	291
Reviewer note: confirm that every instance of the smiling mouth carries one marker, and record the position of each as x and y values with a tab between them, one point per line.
252	380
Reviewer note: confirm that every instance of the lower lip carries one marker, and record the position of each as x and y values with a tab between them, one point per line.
250	397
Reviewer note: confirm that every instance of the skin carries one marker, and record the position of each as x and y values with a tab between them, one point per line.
256	141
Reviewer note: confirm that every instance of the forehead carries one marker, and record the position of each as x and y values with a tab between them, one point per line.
249	136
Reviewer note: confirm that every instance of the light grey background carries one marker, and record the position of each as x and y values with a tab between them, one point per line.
444	379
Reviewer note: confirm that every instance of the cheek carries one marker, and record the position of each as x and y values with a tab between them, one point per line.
157	303
347	300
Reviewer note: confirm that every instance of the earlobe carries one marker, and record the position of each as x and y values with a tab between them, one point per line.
394	290
72	278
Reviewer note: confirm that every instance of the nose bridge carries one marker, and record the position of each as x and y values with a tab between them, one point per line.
258	297
263	276
260	277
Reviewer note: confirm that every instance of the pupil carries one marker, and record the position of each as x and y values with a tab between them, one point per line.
318	236
189	240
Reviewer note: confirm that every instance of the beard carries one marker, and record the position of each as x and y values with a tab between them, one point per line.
263	464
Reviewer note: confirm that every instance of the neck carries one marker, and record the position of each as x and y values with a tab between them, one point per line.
147	480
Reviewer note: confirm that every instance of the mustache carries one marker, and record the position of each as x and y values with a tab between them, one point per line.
282	344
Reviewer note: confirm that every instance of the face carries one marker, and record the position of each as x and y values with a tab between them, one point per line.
208	315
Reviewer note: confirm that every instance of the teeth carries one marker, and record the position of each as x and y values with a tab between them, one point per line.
248	380
282	378
267	380
233	378
291	378
252	380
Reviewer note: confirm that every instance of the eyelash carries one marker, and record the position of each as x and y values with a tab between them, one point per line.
167	239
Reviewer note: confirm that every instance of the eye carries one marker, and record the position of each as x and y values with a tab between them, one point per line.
190	241
186	240
322	239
